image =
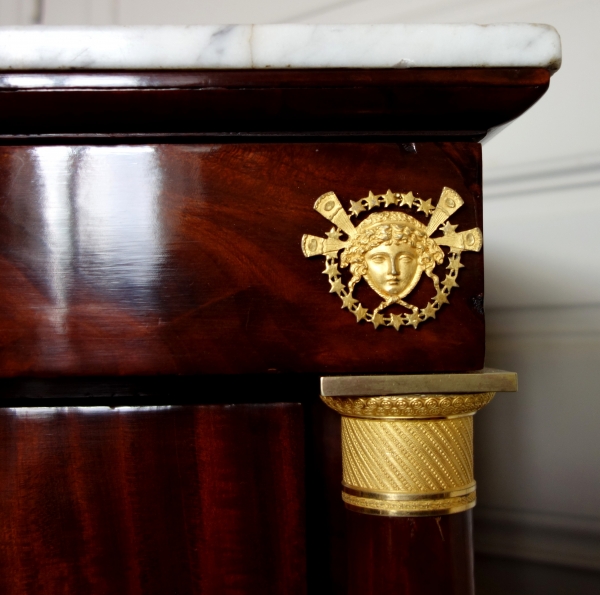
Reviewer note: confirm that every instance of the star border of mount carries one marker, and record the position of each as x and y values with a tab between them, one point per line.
329	206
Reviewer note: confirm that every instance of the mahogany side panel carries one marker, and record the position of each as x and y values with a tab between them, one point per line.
327	540
449	102
410	556
144	500
186	259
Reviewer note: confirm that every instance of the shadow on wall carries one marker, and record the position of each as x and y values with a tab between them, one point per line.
496	576
537	450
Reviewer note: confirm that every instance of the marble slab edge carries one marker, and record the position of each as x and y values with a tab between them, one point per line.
280	46
485	380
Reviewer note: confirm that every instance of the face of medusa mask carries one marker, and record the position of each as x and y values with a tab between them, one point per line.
391	251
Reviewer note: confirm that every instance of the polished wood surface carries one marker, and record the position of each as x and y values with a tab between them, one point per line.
186	259
150	227
447	103
359	554
143	500
115	391
327	538
410	556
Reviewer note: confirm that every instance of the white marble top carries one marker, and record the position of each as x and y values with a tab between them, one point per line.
279	46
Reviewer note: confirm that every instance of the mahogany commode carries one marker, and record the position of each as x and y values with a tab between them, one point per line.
165	318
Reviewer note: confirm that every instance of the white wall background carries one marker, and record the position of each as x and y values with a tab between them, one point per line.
538	451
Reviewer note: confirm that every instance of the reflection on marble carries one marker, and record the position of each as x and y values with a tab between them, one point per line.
279	46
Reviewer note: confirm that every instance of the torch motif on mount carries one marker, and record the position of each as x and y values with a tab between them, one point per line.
390	250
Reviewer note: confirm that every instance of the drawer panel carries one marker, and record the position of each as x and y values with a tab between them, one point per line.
187	259
152	500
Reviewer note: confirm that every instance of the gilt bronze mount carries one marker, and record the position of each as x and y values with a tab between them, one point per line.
411	454
391	250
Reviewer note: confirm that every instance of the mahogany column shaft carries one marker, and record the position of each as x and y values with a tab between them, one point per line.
410	555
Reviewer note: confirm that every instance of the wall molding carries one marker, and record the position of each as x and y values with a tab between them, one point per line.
529	321
547	538
570	172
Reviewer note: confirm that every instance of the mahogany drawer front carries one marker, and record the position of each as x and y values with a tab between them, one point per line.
187	259
203	499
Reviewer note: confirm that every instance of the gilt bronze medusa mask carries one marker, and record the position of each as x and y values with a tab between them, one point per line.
391	250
